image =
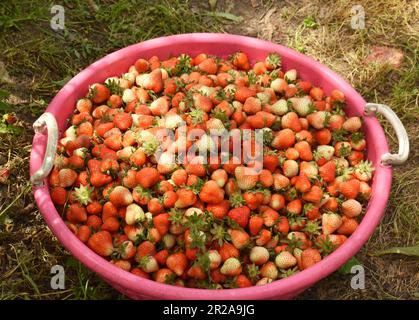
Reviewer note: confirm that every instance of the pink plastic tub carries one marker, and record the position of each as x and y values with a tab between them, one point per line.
221	45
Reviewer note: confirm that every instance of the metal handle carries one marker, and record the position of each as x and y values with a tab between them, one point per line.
46	121
402	137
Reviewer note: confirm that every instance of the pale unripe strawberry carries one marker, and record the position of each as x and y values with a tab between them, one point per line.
352	124
290	168
285	260
330	222
215	124
130	76
193	211
280	107
263	281
134	214
351	208
150	264
205	143
279	85
120	196
302	105
214	258
318	119
259	255
309	169
128	96
290	75
172	121
324	151
220	176
269	270
169	240
231	267
133	232
264	97
246	177
125	153
140	79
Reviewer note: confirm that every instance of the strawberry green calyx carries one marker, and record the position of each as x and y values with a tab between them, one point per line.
274	60
83	194
236	200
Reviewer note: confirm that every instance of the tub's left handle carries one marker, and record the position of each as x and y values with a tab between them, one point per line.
402	137
46	121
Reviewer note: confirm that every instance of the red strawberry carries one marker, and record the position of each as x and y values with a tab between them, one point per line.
240	215
328	171
122	120
270	162
314	195
283	139
349	188
269	215
252	105
161	223
120	196
348	226
303	183
295	207
141	65
291	121
304	150
242	93
227	250
309	257
111	224
147	177
101	243
67	177
177	262
58	195
99	93
186	198
76	213
211	193
239	238
208	66
330	222
246	177
255	225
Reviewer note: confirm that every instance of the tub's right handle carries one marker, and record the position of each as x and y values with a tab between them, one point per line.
402	137
46	121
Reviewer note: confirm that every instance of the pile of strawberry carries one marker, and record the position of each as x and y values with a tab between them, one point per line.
211	225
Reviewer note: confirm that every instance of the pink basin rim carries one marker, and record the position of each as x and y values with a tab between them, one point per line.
137	287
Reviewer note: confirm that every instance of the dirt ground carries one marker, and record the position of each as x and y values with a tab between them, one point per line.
36	61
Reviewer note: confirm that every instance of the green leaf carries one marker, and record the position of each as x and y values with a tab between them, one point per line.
226	15
346	268
9	129
5	107
408	251
4	94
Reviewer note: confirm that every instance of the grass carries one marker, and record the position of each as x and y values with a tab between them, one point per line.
40	61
